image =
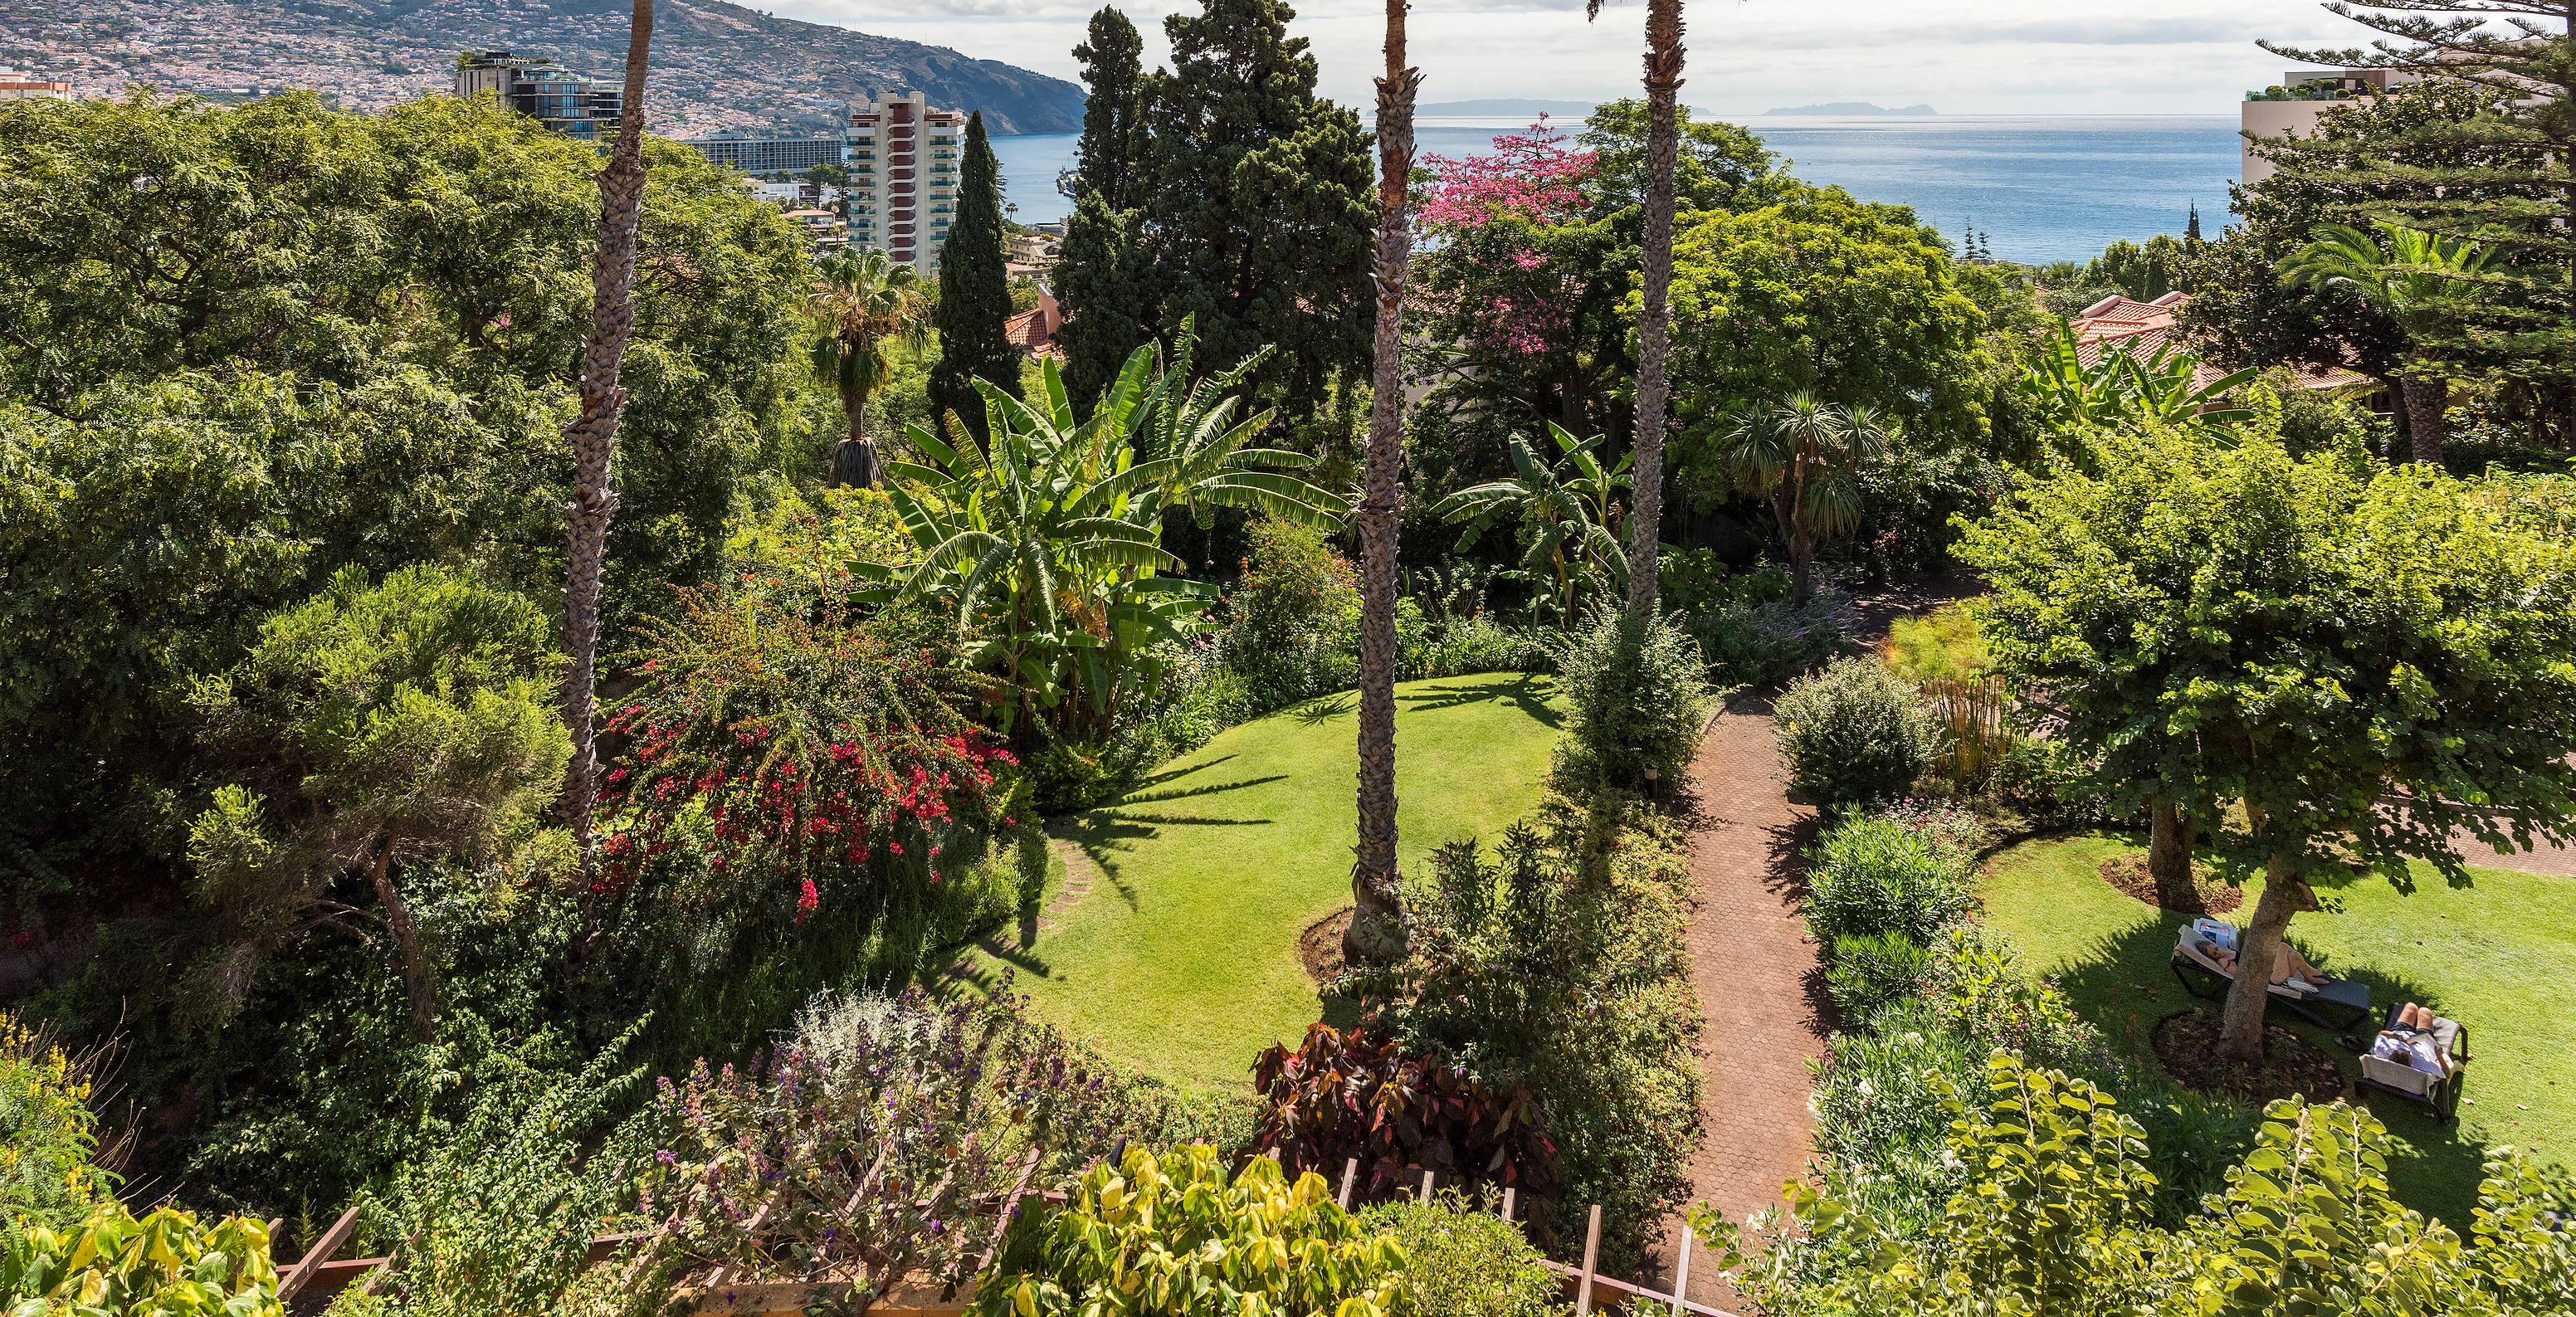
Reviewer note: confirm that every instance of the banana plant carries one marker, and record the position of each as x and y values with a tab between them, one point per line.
1571	507
2121	390
1050	545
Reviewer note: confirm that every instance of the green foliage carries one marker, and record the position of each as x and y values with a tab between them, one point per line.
376	725
1716	165
1552	966
1464	1260
162	1265
1052	545
974	294
1884	1098
1853	732
1639	698
1112	131
2306	636
1872	876
1569	514
2055	1214
1870	970
1170	1236
1749	640
497	1213
1255	200
1292	607
1822	293
862	301
2119	390
1804	456
1946	644
48	1133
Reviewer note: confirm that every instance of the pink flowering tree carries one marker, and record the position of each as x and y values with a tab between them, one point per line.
773	758
1520	283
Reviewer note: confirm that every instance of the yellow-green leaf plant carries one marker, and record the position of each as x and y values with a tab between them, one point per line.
1170	1236
165	1264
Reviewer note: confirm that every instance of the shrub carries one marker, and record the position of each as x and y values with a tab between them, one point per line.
1853	733
1983	990
1638	697
1552	964
1066	777
1294	632
48	1133
1884	1101
1463	1260
1350	1096
2045	781
1955	833
1765	641
1873	875
1169	1235
1872	969
165	1264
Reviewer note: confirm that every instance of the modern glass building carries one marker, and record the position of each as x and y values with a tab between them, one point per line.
560	99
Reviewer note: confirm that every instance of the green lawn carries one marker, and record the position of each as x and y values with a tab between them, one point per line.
1184	960
2499	956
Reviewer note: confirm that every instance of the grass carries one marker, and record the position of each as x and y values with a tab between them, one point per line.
1183	960
1946	644
2499	956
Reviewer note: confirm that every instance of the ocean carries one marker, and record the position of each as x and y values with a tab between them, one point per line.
2041	189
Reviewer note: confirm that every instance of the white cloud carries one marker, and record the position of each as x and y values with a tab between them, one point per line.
1960	56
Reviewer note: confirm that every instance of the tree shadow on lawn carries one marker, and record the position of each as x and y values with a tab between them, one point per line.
2124	984
1529	694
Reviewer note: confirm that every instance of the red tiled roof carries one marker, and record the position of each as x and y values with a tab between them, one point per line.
2146	328
1031	334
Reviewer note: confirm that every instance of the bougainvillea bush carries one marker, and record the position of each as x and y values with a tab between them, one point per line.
777	762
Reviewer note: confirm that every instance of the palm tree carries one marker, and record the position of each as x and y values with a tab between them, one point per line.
863	300
1803	455
2421	281
593	434
1572	506
1376	931
1655	277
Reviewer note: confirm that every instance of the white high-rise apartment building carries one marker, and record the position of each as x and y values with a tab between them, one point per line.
903	161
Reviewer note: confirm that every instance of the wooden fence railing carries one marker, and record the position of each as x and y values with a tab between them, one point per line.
314	1279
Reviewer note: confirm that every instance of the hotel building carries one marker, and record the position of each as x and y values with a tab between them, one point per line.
563	101
902	157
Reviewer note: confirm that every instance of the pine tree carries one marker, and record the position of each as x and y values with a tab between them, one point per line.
974	292
2503	177
1108	306
1255	199
1112	124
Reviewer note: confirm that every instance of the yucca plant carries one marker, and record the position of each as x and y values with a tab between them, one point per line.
1050	545
1803	456
1570	505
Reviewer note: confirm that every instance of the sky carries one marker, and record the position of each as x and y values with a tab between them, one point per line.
2043	57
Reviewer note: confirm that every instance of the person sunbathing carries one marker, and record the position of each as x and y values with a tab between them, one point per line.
2287	964
2410	1042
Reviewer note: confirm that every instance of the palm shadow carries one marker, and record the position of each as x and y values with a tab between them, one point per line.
1316	712
2124	983
1528	693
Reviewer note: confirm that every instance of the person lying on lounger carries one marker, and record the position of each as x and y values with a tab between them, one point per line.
2287	964
2411	1042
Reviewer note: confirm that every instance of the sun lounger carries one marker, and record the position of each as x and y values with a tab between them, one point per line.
2338	1004
2441	1093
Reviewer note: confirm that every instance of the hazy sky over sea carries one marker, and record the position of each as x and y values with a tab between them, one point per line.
1959	56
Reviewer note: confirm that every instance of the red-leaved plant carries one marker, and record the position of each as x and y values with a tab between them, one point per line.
1350	1095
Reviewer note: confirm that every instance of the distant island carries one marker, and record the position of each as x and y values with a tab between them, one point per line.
1852	109
1470	109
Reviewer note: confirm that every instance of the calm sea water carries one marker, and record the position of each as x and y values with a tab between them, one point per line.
2042	189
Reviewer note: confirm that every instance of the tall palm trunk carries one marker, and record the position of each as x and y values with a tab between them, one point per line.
594	434
2424	395
1377	926
854	460
1654	318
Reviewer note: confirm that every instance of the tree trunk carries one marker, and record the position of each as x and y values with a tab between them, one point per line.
854	460
420	982
2424	396
1654	318
2168	850
2240	1036
1802	557
1376	933
594	434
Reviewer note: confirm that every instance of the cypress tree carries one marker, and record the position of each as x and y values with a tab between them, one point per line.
1108	306
974	292
1112	124
1255	199
2503	176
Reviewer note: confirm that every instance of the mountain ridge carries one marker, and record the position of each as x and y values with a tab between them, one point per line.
717	66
